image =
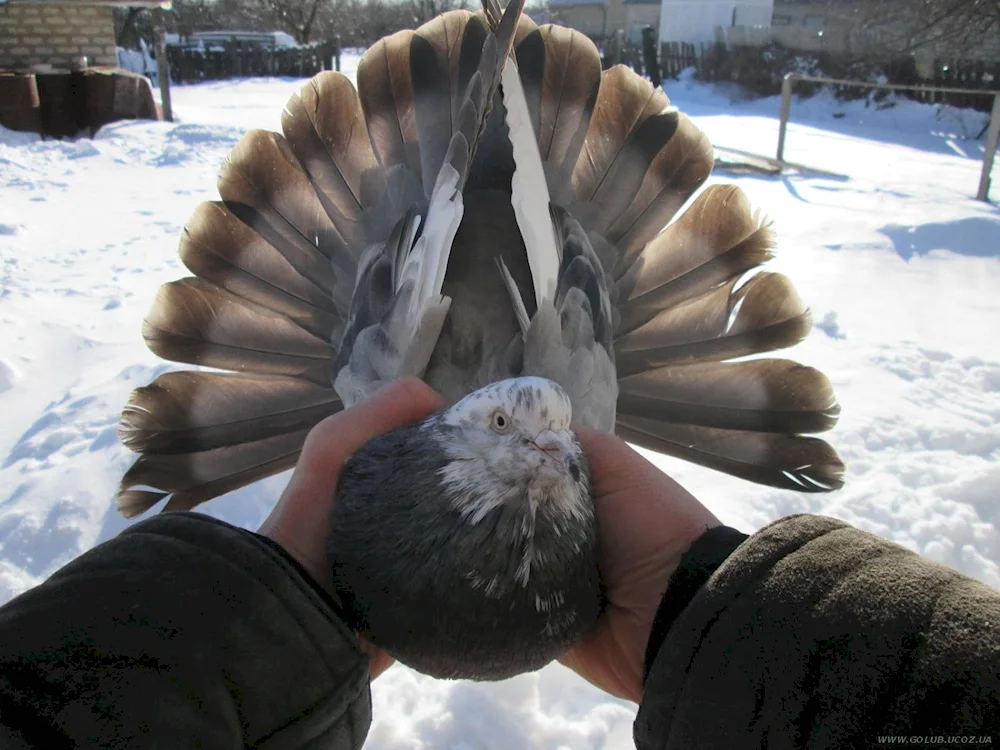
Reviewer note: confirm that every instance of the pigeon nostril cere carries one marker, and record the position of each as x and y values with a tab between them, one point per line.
574	470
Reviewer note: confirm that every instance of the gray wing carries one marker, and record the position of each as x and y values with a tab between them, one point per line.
452	72
397	309
570	340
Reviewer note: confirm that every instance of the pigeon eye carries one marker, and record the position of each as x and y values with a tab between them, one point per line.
499	421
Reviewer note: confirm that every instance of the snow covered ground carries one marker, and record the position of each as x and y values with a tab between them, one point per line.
900	266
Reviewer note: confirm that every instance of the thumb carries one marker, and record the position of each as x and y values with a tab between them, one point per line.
337	438
300	522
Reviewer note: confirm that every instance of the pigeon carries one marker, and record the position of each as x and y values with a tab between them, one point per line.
465	546
492	212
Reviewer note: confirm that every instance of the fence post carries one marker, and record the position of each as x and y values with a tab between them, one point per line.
652	64
786	110
991	149
162	65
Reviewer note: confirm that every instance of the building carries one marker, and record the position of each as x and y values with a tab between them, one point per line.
824	26
640	14
858	27
58	33
58	68
598	19
696	21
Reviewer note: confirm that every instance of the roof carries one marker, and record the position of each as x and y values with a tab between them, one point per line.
78	3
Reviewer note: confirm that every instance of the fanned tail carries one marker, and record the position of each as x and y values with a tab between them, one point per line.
278	259
687	300
339	204
683	314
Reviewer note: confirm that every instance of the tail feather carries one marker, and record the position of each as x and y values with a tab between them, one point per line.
196	322
571	77
444	56
560	73
791	462
385	91
717	239
325	128
203	434
218	247
192	478
529	190
189	412
419	88
763	315
763	395
640	162
675	173
264	185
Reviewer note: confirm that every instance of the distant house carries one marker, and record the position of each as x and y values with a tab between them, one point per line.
696	21
829	25
640	14
598	19
601	19
58	67
58	33
847	26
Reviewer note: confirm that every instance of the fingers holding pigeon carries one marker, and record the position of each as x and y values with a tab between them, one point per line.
646	521
301	519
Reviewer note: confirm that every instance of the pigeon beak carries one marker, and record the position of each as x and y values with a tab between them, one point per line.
560	449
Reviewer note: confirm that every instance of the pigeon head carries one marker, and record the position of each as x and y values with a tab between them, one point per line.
513	435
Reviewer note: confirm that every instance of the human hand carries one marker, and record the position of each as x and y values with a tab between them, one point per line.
646	522
300	522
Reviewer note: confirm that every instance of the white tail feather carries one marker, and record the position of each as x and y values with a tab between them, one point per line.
427	263
530	193
520	312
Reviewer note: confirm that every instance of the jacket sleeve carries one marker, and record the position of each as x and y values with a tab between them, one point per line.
182	632
812	633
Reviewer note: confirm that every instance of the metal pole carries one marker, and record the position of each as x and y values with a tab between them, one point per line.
786	110
162	67
991	149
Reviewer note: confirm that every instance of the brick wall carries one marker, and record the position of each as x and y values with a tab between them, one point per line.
32	34
589	18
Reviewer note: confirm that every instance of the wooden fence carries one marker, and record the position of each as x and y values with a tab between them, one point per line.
239	59
962	75
970	75
992	138
676	56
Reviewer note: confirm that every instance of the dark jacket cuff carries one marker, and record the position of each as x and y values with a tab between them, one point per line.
703	558
816	634
183	631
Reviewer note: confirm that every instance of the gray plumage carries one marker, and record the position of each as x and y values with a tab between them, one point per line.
488	204
463	584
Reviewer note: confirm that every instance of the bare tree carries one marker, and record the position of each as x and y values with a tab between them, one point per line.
358	23
945	26
297	17
954	24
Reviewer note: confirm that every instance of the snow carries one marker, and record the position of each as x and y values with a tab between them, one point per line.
900	265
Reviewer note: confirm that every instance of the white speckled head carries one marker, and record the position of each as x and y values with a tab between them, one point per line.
509	444
532	404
